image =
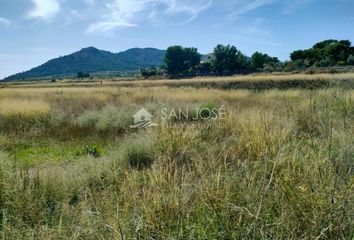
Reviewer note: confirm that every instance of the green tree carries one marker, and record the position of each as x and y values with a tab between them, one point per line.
260	60
327	62
339	51
180	60
228	59
324	44
326	53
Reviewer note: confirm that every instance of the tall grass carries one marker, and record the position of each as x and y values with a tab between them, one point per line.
23	107
109	118
279	167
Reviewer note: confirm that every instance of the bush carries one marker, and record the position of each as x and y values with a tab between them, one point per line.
109	118
350	60
341	63
150	72
290	66
113	118
139	152
88	119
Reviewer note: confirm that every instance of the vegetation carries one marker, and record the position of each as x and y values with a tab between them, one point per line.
151	72
92	60
139	151
91	150
324	54
350	60
83	75
280	166
228	60
180	60
260	60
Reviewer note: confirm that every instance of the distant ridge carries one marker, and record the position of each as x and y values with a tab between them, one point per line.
93	60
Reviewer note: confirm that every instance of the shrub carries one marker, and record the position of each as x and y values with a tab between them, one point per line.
139	152
350	60
88	119
109	118
139	157
113	118
290	66
341	63
150	72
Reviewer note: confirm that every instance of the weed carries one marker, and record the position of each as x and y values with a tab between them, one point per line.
91	150
139	152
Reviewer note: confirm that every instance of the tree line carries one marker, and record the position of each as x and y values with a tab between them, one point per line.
325	54
228	60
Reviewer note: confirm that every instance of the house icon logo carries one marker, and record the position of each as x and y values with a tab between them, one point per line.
143	119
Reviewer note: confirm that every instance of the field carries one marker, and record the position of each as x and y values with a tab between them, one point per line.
279	166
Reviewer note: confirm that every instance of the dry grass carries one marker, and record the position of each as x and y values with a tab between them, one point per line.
154	94
280	166
331	78
26	107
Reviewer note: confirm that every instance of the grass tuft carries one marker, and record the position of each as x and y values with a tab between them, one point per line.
139	151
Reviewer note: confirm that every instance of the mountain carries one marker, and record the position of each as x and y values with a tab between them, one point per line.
93	60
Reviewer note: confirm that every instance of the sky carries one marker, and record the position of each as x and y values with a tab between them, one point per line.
35	31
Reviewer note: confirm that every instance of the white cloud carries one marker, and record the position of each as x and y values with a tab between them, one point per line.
192	9
5	22
241	7
293	5
257	28
258	31
44	9
131	13
118	15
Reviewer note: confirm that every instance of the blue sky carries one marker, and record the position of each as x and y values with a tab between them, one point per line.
34	31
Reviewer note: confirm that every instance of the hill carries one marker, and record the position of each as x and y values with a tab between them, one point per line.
93	60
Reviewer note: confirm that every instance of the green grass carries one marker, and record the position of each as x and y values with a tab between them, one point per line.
32	152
